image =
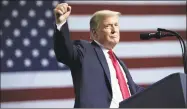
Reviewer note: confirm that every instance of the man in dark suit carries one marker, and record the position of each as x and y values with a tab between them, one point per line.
100	79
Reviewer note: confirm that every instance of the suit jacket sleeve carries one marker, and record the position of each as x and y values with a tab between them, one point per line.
67	51
139	88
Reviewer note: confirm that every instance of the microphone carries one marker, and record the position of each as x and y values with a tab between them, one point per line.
160	33
157	35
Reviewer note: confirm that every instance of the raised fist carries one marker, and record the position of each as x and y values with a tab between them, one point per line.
62	12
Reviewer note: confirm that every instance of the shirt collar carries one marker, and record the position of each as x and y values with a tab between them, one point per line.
102	47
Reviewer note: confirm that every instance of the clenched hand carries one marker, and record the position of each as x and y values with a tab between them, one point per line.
62	12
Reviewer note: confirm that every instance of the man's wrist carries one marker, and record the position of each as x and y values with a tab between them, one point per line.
60	25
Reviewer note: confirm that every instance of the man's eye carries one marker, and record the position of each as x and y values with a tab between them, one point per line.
107	26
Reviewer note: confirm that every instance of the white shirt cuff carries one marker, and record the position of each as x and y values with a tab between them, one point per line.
60	25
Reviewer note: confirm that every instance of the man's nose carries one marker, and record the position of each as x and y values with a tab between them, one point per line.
113	29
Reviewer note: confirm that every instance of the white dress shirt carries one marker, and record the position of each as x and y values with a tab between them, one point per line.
116	92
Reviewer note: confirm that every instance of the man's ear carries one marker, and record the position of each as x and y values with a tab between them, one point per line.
93	34
93	31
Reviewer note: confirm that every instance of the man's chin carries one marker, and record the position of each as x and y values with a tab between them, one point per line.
113	43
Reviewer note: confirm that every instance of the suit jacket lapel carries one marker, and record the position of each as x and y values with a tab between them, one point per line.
127	73
102	60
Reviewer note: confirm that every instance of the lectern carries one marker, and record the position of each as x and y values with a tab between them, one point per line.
170	92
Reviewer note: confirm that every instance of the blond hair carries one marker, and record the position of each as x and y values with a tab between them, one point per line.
98	15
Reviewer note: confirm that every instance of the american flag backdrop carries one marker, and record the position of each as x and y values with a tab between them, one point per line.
30	73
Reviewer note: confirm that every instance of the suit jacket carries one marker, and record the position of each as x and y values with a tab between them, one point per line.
89	69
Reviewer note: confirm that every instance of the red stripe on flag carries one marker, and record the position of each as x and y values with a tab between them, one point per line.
36	94
83	9
39	94
153	62
125	36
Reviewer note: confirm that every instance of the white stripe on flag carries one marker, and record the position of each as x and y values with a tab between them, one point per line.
17	80
134	23
37	79
129	2
148	49
65	103
152	75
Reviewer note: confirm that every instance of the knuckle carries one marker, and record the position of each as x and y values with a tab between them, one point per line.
63	4
58	5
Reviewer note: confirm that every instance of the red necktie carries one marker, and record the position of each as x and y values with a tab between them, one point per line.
121	80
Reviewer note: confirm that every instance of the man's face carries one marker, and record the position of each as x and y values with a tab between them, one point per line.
107	32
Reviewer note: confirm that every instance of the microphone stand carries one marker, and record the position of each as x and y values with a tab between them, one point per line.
182	43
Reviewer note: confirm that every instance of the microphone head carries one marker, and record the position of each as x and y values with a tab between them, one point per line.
145	36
